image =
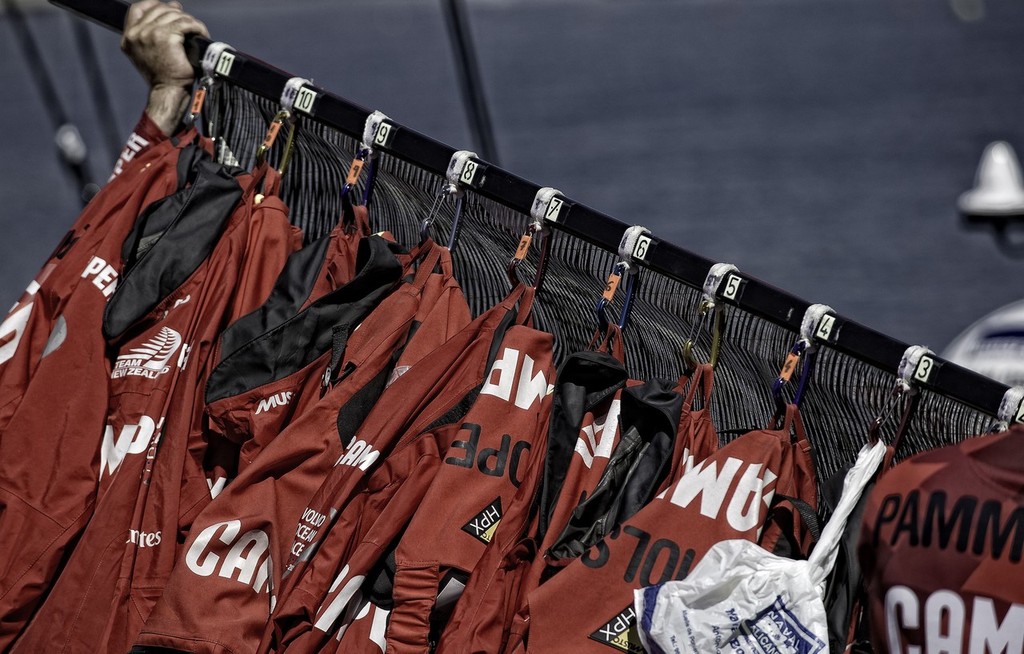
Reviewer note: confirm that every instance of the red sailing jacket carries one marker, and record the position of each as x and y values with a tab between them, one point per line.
433	396
87	252
275	358
266	501
585	382
941	547
726	497
45	503
485	460
175	297
525	556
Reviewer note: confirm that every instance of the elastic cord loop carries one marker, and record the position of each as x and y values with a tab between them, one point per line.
291	91
812	318
1010	407
370	128
714	280
212	56
455	168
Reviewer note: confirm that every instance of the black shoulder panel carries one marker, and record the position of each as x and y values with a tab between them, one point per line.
585	380
183	229
290	292
653	408
299	340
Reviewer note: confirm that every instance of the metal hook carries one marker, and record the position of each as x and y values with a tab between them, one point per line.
632	247
539	210
915	366
365	153
462	170
817	324
211	59
709	309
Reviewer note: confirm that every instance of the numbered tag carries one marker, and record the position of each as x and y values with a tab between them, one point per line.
733	283
554	210
524	247
197	100
354	171
224	64
612	286
384	134
641	247
1020	414
924	369
271	136
825	325
470	171
305	99
789	366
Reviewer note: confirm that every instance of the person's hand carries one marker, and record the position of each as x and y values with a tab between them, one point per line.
154	38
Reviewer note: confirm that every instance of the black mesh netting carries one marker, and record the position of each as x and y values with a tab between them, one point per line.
844	396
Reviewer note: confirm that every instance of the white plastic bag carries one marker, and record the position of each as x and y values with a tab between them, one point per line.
741	598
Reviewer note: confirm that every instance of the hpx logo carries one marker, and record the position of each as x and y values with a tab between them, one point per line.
274	401
149	360
620	632
484	524
220	549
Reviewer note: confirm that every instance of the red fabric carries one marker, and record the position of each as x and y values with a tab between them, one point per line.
89	252
119	568
726	497
59	407
435	390
941	548
268	497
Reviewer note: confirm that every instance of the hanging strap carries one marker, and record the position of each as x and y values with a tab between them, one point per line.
703	379
610	342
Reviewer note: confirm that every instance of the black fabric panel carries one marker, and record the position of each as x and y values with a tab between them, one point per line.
653	409
844	590
589	520
584	381
152	221
290	292
457	412
200	213
354	412
650	420
298	341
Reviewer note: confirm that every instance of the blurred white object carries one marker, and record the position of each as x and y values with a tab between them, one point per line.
742	598
993	346
998	184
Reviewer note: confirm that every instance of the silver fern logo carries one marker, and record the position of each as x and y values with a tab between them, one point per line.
150	359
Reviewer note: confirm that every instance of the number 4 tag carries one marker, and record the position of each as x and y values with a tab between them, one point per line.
1020	414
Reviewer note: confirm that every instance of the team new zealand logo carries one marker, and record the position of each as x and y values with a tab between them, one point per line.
150	359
